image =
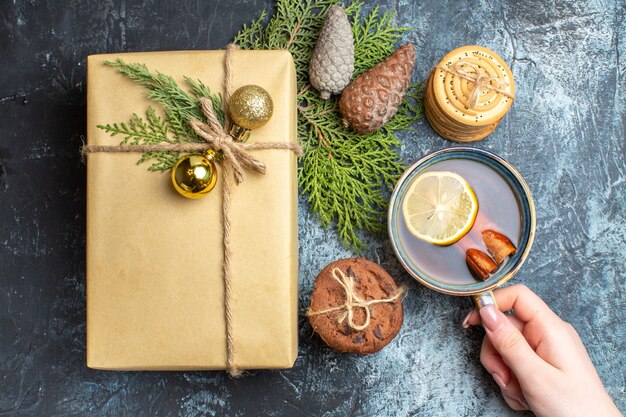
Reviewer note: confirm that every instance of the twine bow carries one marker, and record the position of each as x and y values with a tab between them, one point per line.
237	159
234	152
479	80
353	301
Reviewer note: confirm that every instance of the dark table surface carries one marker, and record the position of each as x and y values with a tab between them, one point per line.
565	133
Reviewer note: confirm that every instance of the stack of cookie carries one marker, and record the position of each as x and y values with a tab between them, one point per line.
468	93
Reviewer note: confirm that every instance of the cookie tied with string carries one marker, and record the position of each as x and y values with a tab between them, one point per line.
468	93
356	306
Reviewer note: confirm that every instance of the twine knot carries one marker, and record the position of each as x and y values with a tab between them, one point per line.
215	135
479	80
353	301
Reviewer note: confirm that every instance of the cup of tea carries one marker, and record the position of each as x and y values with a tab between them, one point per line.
504	205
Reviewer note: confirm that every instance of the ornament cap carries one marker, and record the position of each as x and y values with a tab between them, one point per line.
210	154
239	133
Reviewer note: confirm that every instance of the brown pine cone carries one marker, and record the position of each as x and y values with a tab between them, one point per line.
371	100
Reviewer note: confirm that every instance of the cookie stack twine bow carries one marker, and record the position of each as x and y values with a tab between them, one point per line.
468	93
353	301
236	159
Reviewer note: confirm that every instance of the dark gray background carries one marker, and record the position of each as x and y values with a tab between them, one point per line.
565	133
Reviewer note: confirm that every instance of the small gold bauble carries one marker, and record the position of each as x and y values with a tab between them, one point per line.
250	107
194	175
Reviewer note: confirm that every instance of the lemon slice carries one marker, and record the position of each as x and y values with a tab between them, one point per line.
439	207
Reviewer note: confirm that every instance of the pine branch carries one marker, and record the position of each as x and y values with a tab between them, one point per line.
178	106
137	131
345	175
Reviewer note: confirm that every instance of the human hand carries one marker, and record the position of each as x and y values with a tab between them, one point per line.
537	359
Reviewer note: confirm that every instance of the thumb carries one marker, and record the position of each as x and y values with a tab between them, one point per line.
510	343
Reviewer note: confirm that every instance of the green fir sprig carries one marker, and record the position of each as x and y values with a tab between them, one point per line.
345	175
178	106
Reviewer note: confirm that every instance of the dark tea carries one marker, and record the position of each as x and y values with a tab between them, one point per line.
498	210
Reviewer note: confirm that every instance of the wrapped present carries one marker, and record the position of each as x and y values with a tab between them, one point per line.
155	278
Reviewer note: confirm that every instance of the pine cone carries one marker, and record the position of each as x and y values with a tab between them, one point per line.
332	62
371	100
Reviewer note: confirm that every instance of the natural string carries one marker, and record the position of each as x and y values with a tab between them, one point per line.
480	81
353	300
236	159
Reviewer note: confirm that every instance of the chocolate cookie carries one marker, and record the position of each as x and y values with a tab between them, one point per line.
373	289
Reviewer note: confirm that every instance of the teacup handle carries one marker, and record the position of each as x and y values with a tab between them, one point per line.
483	299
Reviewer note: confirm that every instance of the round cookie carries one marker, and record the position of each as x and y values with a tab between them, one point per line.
456	136
432	105
371	282
451	92
446	96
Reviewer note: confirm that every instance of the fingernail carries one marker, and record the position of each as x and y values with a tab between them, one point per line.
498	380
466	320
489	316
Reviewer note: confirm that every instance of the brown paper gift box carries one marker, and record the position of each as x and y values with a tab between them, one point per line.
155	292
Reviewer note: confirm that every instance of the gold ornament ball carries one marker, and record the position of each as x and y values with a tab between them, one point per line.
194	175
250	107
